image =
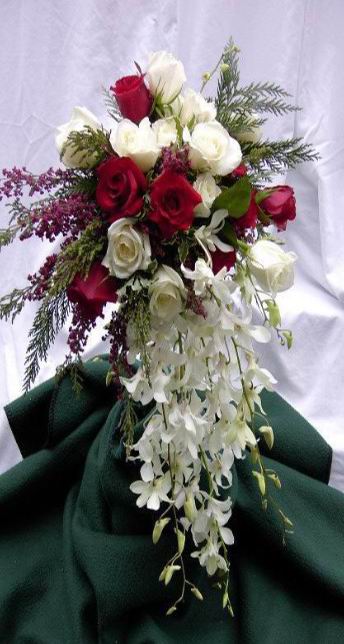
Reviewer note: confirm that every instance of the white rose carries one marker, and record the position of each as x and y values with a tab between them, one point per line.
137	142
128	249
81	117
212	149
271	266
165	132
165	75
254	134
196	107
206	186
167	292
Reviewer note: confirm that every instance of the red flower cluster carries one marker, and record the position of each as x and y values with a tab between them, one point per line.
91	293
173	201
120	188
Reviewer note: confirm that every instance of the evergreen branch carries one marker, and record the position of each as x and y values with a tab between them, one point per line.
85	183
74	369
271	157
12	303
89	144
78	256
48	321
235	105
8	235
111	105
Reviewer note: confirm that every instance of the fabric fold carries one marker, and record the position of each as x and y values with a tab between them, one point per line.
76	555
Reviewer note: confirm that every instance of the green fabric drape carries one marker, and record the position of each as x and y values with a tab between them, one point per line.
77	562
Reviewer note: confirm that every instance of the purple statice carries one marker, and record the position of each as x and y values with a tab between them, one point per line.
194	303
117	335
81	326
175	160
40	281
66	216
16	181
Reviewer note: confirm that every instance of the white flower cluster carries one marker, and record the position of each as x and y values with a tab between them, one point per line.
206	382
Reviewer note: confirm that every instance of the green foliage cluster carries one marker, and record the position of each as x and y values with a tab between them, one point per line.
240	109
78	256
49	319
89	144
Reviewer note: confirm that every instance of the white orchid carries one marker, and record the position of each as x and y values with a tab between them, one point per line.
207	236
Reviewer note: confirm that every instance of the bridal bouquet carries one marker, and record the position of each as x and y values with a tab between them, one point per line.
169	216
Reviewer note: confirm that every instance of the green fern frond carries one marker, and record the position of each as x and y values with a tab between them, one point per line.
49	319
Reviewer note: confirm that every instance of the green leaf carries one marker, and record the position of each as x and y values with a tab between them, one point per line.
235	199
262	194
229	235
183	250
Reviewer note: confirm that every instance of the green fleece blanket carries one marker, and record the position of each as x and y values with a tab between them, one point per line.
77	562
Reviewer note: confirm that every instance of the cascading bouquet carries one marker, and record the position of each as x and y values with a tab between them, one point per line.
169	216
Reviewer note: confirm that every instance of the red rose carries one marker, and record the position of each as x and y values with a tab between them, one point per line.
249	219
133	97
93	291
239	172
173	201
221	259
120	188
280	206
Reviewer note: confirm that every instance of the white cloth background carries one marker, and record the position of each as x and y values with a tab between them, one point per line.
55	55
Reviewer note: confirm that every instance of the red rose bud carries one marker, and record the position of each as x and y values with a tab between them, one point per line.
173	201
92	292
249	219
133	97
280	206
120	188
221	259
239	172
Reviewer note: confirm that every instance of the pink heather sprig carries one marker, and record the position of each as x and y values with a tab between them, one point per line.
175	160
16	181
81	326
195	304
40	281
66	216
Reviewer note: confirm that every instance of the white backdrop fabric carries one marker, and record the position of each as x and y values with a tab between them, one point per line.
55	55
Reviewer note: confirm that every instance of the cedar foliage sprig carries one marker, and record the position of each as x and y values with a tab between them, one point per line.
49	319
240	109
78	256
89	144
255	97
266	158
12	303
111	105
74	369
8	235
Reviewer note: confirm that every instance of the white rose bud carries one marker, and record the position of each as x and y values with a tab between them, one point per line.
167	293
81	117
212	149
138	142
197	108
128	249
165	75
206	186
271	266
165	132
